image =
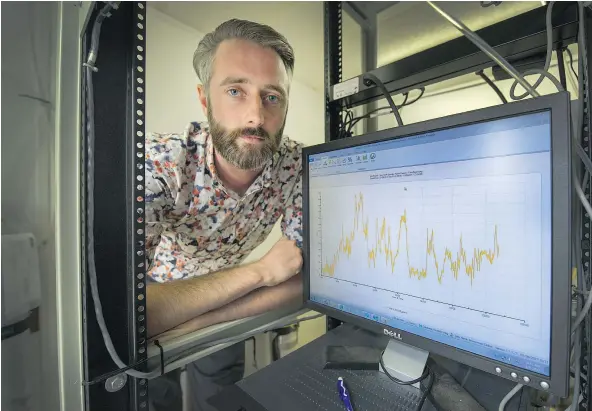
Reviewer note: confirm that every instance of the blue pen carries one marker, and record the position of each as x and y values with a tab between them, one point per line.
344	394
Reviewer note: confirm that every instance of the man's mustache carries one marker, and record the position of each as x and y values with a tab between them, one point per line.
257	132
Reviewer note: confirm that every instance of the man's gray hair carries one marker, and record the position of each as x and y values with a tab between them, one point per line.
265	36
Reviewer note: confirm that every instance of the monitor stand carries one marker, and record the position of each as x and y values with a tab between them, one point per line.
404	362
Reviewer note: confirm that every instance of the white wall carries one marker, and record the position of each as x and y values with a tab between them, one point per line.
29	58
171	83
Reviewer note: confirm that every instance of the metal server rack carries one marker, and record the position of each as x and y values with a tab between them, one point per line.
515	38
119	101
586	245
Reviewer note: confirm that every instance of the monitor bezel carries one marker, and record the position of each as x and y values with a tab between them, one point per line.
561	191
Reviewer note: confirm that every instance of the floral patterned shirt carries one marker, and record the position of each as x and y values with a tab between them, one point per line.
194	225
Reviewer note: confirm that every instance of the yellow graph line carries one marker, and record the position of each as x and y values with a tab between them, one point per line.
383	246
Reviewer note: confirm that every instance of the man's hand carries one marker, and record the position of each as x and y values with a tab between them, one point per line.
283	261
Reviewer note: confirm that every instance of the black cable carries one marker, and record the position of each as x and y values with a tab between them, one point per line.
421	91
255	365
405	103
571	62
355	120
495	88
427	389
161	350
406	94
343	124
561	67
350	115
275	349
370	79
427	372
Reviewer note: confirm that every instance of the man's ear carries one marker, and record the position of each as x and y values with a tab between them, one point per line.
203	100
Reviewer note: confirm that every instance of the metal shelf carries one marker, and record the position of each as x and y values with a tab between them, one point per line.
515	38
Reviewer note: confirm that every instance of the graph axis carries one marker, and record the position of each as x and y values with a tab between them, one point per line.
427	299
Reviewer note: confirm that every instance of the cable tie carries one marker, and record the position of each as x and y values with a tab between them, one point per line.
93	68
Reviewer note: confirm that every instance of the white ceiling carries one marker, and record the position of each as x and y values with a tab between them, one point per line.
403	29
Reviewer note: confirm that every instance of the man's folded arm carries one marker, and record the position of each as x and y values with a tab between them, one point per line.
173	303
176	302
256	302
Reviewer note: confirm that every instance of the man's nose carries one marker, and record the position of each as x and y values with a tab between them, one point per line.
254	112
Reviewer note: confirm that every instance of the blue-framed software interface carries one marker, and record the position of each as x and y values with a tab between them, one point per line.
446	235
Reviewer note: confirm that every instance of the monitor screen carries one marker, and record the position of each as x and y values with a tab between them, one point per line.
446	235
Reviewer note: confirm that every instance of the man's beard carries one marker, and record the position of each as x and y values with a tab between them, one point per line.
244	156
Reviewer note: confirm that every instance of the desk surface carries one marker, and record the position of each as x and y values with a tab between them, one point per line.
298	382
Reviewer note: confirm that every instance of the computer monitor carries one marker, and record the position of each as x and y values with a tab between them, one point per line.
452	236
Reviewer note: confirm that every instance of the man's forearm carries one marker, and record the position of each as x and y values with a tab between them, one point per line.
254	303
177	302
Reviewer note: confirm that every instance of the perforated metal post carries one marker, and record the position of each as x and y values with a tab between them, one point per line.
366	18
586	248
137	112
119	85
333	66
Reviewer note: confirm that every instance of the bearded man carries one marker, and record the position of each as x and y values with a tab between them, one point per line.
214	192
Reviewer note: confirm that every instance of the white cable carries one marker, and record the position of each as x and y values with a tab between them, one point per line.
582	314
486	48
544	73
549	31
582	196
577	353
508	397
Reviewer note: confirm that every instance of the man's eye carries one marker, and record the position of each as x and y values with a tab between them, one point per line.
273	99
233	92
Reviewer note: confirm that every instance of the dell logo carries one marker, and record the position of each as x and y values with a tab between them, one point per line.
396	336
